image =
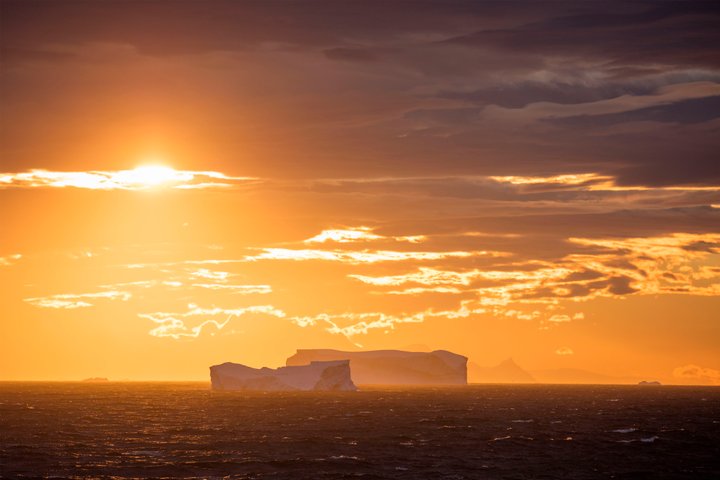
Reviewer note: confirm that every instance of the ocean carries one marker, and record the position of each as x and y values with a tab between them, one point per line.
185	430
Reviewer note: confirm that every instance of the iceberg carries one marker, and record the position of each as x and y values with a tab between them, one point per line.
393	367
316	376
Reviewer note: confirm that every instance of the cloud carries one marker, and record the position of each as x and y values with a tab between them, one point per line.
567	179
344	235
352	54
697	374
79	300
141	178
686	111
583	192
359	257
358	234
210	274
673	264
192	322
596	34
8	260
441	90
562	351
357	323
514	284
239	289
583	90
424	276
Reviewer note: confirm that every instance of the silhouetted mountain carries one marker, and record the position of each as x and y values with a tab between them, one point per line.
506	372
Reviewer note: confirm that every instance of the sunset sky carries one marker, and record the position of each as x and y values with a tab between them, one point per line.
186	183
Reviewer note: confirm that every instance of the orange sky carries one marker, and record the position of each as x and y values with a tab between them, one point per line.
337	181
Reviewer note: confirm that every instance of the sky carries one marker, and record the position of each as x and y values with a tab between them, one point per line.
186	183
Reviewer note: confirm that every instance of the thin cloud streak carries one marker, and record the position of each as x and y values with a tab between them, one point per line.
141	178
359	234
79	300
8	260
174	324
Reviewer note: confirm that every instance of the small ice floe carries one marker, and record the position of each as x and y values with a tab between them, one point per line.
625	430
344	457
523	421
497	439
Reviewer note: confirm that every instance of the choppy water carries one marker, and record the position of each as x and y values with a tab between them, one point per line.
184	430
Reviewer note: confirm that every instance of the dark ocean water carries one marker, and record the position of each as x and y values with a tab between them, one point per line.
184	430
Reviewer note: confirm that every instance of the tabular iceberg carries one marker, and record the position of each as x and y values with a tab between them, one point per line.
394	367
318	376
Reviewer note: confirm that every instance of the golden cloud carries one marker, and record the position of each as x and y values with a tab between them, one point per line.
175	324
141	178
78	300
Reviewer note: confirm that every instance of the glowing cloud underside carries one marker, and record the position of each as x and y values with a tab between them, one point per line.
593	182
359	234
140	178
680	263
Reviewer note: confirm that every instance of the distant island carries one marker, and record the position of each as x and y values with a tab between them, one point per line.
649	382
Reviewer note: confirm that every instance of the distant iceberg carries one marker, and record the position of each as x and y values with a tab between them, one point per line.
317	376
394	367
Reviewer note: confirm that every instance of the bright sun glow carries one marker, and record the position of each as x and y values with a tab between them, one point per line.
151	175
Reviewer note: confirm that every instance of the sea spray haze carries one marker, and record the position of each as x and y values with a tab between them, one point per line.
185	430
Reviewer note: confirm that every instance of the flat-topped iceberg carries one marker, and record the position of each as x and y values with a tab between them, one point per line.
318	376
394	367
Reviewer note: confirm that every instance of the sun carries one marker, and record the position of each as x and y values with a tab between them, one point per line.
154	174
150	176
